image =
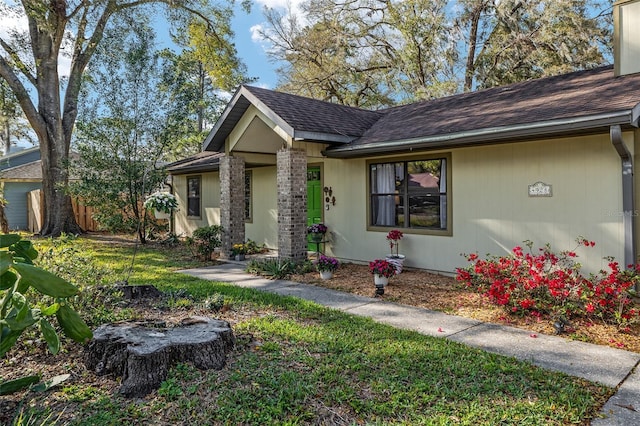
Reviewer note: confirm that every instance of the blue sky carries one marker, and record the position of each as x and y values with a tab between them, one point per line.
250	49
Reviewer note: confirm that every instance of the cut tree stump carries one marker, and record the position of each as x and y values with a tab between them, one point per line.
142	353
136	292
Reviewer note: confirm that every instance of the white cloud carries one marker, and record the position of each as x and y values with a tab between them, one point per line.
281	4
255	30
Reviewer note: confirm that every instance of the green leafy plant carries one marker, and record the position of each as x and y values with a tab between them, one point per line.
205	240
19	278
272	268
253	247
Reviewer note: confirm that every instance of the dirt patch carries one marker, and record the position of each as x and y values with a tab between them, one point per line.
443	293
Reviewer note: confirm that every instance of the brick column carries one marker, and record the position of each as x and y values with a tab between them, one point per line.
292	204
231	202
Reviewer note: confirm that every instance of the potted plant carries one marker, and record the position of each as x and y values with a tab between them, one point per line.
163	203
382	270
393	237
238	251
326	266
317	231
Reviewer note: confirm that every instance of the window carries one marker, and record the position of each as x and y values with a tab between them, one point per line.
193	196
248	207
409	194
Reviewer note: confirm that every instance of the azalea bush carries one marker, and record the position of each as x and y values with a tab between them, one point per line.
327	264
547	283
382	267
394	236
161	201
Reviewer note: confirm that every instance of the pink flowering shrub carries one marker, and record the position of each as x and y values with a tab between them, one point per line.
550	284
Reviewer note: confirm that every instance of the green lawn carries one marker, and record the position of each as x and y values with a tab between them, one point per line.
299	363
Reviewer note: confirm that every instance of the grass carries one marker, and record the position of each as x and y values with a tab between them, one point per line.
299	363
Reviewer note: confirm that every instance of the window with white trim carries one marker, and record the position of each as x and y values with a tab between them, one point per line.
409	194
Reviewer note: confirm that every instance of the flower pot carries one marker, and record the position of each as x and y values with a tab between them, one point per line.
316	237
161	215
239	257
397	261
326	275
380	280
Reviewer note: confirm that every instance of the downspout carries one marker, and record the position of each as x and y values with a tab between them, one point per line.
627	195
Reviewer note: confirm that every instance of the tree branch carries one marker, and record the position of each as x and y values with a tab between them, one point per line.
21	93
19	63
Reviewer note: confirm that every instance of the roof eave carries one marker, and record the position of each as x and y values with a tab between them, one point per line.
492	135
210	144
323	137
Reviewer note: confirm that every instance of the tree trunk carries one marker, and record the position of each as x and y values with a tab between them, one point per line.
143	354
58	210
470	67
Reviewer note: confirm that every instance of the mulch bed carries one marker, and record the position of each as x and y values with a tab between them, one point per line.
443	293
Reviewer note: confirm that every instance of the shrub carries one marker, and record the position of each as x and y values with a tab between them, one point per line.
22	284
278	268
205	240
551	284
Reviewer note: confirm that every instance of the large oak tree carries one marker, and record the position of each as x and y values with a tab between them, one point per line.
29	64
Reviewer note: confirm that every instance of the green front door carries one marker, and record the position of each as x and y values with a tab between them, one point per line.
314	200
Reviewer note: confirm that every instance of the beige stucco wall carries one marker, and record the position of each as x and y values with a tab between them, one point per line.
263	228
210	203
492	211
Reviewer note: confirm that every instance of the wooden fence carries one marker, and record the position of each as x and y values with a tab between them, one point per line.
35	208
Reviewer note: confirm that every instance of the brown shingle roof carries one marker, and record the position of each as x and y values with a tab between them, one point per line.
28	171
204	161
314	116
579	102
578	94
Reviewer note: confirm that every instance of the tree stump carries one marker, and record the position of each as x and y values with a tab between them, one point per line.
142	354
136	292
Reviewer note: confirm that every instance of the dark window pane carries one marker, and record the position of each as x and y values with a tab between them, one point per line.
193	207
247	195
425	212
193	196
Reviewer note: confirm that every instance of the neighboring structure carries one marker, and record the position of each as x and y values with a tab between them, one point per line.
546	160
20	173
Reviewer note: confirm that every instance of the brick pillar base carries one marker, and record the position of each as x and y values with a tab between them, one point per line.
231	202
292	204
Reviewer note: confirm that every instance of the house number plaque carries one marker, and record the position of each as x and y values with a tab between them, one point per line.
540	189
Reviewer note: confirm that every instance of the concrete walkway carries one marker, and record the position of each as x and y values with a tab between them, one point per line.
601	364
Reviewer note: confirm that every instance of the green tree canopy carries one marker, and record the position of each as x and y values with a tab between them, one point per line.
373	53
75	29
